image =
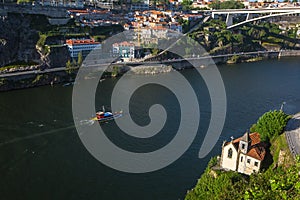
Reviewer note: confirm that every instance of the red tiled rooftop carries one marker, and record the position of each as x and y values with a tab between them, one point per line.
125	43
84	41
159	28
257	152
101	11
78	11
257	149
255	139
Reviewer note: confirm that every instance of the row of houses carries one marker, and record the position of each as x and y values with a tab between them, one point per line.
62	3
153	25
150	26
94	17
151	19
171	4
168	19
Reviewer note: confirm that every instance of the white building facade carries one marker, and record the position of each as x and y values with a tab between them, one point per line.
124	50
84	46
244	155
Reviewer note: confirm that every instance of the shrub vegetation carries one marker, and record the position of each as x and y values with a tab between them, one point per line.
270	124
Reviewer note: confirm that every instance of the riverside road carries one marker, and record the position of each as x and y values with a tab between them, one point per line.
4	75
292	134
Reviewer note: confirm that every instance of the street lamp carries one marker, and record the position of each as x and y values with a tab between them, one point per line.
281	107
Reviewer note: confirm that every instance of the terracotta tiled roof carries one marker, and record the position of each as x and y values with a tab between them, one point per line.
256	150
155	12
79	42
78	11
159	28
100	11
255	139
125	43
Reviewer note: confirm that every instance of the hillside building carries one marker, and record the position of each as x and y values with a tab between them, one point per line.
85	46
244	155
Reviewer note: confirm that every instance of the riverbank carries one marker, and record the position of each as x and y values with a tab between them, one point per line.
260	55
27	79
34	80
151	69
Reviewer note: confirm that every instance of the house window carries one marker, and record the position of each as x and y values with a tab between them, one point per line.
242	159
243	146
229	153
255	164
248	161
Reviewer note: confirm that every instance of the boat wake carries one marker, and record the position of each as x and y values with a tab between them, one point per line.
18	139
87	122
82	123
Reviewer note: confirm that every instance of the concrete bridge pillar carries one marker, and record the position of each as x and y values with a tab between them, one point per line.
249	16
229	20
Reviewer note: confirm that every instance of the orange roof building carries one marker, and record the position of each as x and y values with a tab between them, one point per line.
244	154
83	45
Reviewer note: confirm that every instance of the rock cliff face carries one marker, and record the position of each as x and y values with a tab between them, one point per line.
17	40
18	43
57	57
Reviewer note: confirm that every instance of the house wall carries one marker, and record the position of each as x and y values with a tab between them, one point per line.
229	163
248	168
75	49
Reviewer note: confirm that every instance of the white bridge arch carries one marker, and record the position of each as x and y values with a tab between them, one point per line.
272	12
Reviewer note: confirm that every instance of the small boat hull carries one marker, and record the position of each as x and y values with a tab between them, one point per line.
114	116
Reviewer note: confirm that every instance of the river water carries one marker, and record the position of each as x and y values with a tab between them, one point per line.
42	157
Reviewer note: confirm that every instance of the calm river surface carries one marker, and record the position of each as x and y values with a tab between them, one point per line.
42	157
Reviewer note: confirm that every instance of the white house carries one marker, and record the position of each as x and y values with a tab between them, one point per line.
244	155
124	50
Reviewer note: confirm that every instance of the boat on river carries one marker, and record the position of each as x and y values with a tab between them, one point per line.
103	116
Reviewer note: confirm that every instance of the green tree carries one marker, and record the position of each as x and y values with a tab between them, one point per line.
115	71
188	51
155	51
79	59
186	4
239	38
74	63
68	64
215	4
69	67
270	124
24	1
137	1
231	4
